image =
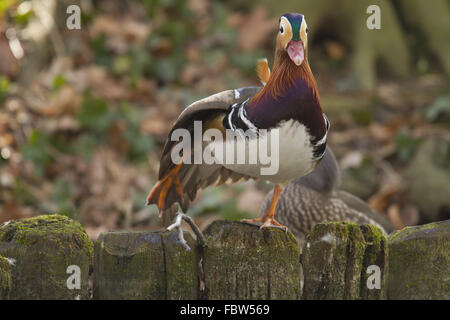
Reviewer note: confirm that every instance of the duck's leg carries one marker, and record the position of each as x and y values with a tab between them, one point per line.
177	225
268	219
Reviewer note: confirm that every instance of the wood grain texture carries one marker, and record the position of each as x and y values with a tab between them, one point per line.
243	262
144	265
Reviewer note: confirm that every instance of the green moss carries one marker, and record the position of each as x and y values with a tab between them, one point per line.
242	261
375	253
124	269
336	258
144	265
407	231
419	262
51	227
5	278
341	228
44	247
181	266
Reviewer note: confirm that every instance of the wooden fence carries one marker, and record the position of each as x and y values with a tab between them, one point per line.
51	257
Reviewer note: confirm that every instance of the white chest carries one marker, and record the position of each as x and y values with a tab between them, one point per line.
283	154
295	152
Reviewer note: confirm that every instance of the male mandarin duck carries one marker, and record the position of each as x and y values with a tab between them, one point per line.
316	198
288	103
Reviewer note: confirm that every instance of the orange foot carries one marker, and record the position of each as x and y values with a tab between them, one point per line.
163	186
268	219
266	222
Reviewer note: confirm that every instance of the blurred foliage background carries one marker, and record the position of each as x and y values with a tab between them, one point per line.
84	113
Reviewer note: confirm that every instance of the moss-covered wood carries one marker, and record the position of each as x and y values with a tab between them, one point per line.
181	267
419	262
144	265
375	254
42	248
5	278
336	257
243	262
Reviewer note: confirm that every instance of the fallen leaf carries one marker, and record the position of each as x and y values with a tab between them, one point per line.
256	29
393	213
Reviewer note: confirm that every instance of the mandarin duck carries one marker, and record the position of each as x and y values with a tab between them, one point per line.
288	104
316	198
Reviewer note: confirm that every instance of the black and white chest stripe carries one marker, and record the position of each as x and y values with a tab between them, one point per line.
319	145
237	118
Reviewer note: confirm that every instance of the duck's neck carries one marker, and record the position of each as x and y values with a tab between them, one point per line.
285	74
290	93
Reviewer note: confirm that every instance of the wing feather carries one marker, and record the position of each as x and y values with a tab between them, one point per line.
201	110
194	177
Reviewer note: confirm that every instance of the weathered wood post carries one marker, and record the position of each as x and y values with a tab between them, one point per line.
419	262
144	265
50	256
243	262
375	256
5	278
336	258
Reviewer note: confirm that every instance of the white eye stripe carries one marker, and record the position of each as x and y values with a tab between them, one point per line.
303	31
284	26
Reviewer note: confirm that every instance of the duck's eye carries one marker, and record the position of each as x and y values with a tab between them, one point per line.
281	30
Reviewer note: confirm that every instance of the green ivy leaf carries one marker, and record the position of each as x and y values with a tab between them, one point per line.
95	115
36	150
58	82
406	145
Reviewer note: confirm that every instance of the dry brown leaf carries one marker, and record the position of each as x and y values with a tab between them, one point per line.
62	123
155	125
410	215
352	159
256	29
251	199
235	19
6	139
100	81
393	213
381	198
120	31
334	49
390	185
13	211
199	7
66	101
381	132
9	65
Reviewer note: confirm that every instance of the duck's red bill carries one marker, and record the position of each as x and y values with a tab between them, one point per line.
296	52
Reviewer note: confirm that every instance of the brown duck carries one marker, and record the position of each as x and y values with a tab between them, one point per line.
316	198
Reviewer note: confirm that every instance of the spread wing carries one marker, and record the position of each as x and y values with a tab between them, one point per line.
193	177
204	110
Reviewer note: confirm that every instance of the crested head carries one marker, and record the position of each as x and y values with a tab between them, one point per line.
291	62
293	37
